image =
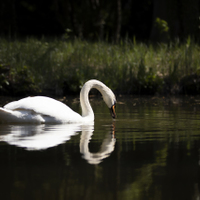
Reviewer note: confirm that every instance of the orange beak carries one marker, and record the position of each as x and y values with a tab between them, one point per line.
112	110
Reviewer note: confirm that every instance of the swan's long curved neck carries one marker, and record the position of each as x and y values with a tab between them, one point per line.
87	111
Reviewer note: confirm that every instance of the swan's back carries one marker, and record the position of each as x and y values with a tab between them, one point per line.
38	104
49	109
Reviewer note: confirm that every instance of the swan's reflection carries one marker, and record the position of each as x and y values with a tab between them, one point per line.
41	137
106	149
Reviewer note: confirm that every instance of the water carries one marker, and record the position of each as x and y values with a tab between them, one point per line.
151	151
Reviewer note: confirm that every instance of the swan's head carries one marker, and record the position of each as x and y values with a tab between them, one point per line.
110	100
108	97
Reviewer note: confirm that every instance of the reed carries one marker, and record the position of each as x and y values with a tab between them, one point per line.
128	67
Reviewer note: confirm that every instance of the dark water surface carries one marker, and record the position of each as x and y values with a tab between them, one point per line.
151	151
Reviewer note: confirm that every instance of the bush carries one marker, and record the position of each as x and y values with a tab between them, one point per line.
38	66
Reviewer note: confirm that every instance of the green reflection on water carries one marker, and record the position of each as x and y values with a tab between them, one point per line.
156	156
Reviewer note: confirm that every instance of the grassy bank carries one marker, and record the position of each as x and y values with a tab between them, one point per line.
61	67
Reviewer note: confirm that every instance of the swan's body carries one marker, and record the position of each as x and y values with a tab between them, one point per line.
40	109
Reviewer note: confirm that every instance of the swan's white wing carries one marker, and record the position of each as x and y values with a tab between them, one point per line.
38	104
49	109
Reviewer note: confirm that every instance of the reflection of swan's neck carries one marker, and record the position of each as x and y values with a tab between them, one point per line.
87	111
106	149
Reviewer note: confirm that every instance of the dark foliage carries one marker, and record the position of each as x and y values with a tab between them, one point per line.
101	20
17	83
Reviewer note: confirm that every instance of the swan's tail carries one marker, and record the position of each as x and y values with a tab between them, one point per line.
14	116
20	116
7	115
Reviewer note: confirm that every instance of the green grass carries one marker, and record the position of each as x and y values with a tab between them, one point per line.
128	67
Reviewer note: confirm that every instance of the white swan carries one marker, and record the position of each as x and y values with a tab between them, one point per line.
40	109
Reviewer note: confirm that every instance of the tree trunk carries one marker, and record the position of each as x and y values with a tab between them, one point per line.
119	21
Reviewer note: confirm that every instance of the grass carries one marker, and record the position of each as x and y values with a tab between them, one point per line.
128	67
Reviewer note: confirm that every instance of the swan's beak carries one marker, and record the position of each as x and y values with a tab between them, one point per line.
112	111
